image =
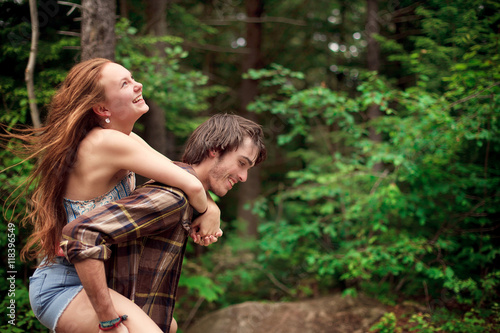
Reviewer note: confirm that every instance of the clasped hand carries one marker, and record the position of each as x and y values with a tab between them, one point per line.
205	229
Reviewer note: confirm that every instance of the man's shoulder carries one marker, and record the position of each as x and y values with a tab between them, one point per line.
186	167
155	184
153	190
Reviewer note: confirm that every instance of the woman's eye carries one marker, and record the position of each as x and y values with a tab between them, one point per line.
124	84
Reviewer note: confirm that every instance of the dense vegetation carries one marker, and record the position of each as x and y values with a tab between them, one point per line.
404	206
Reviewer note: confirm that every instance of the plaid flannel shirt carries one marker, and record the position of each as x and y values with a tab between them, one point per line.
142	239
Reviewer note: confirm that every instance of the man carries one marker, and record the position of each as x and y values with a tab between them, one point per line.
149	229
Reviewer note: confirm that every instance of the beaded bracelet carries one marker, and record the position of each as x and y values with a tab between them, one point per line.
110	324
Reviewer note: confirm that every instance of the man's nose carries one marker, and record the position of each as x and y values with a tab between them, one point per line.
243	176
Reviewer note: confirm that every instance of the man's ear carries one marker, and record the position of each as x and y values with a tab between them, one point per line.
101	111
213	153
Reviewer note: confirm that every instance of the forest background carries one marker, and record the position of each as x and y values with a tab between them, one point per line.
382	124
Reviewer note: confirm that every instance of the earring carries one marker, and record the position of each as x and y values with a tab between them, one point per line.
107	120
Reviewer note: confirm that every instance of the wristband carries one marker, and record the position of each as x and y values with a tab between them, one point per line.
110	324
204	211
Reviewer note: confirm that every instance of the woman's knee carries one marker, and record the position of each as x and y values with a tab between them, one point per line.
138	321
80	316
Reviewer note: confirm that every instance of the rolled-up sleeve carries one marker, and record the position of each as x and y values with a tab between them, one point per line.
149	210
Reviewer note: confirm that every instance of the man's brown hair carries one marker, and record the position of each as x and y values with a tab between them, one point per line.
223	133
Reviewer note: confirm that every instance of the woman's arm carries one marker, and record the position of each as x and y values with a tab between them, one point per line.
205	229
141	141
121	151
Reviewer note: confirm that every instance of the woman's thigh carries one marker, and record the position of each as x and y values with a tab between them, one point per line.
80	316
51	289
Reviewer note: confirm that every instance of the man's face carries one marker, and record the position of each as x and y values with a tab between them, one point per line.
231	168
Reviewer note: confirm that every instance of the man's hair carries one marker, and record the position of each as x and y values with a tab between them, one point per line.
223	133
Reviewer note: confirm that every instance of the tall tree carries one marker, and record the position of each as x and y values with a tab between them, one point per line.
30	68
156	17
373	64
248	91
155	132
98	29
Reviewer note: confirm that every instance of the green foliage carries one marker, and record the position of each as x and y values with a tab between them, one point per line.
201	286
386	324
182	94
472	321
24	319
414	212
54	57
12	238
342	217
233	269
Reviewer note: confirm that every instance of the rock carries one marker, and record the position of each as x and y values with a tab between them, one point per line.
332	314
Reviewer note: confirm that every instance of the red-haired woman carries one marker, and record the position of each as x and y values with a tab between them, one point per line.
87	156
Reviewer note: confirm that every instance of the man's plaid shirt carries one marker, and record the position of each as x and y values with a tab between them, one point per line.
142	239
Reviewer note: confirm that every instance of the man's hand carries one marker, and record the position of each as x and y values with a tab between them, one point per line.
205	230
206	240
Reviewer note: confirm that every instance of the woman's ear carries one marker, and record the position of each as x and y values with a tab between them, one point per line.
101	111
214	153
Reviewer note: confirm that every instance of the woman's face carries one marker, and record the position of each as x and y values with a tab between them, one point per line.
124	101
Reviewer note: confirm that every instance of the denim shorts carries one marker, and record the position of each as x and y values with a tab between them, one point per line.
51	290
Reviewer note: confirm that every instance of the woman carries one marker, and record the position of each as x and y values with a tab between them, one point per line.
88	155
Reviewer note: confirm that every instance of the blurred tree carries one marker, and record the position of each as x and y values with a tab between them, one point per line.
248	91
155	131
373	64
30	67
98	29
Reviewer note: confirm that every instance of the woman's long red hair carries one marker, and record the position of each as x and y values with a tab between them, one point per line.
55	148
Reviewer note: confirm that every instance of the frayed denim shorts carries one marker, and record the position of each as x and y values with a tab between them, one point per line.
51	290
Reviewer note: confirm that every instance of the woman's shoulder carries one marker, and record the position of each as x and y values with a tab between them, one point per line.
98	134
105	139
116	147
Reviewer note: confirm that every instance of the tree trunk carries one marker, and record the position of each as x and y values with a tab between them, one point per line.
372	27
98	29
209	60
249	190
30	68
155	131
156	17
373	62
123	9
